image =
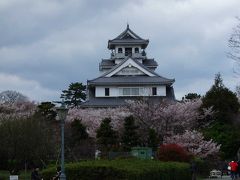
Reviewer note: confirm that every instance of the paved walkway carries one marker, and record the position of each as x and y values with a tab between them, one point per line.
224	178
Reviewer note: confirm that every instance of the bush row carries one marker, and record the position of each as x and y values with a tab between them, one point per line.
123	169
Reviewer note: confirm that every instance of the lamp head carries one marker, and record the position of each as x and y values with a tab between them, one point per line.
62	112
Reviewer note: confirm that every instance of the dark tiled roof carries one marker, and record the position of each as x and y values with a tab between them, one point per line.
115	67
115	80
117	101
150	62
125	32
131	80
127	37
107	62
124	60
112	43
104	102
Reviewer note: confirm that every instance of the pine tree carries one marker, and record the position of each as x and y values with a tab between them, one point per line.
153	140
46	110
130	137
226	106
225	102
78	132
191	96
75	94
106	136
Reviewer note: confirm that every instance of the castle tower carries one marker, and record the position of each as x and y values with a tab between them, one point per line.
128	74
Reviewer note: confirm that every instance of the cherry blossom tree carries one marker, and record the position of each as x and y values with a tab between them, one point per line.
12	97
234	47
164	117
168	117
194	142
92	118
17	109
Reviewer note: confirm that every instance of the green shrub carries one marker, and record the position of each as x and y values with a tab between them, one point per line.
123	169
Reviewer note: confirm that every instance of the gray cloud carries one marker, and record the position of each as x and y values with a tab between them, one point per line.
48	44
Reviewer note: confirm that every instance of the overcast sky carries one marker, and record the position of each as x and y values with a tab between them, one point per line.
47	44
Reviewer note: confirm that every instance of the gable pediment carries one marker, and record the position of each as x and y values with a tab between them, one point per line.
128	36
128	68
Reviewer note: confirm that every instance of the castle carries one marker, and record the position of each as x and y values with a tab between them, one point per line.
128	74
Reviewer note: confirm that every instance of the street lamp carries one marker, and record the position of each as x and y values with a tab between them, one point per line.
62	114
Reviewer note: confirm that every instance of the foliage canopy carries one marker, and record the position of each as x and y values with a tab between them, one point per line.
224	102
74	95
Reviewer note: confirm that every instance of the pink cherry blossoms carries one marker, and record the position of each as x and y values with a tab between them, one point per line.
174	121
17	109
164	117
92	118
194	143
167	117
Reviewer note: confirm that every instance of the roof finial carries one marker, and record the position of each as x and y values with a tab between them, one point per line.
127	25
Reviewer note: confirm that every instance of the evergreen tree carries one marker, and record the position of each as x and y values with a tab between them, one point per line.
226	106
153	140
225	102
227	135
106	136
78	143
130	137
78	132
26	139
46	110
75	94
191	96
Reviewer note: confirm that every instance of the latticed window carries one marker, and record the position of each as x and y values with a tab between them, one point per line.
126	91
128	51
133	91
120	50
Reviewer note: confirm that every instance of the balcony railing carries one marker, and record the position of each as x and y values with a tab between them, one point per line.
123	55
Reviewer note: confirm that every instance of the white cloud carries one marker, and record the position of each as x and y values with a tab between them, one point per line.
30	88
46	45
199	86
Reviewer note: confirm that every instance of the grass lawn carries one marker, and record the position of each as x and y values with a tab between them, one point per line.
4	175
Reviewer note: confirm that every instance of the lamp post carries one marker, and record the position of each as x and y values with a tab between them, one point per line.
62	114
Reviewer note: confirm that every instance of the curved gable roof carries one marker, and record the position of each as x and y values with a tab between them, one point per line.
128	31
118	66
150	78
128	37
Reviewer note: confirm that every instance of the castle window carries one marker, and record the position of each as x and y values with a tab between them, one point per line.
135	92
126	91
128	51
154	91
131	91
119	50
136	50
106	91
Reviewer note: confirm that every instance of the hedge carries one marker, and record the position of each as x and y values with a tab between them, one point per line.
123	170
